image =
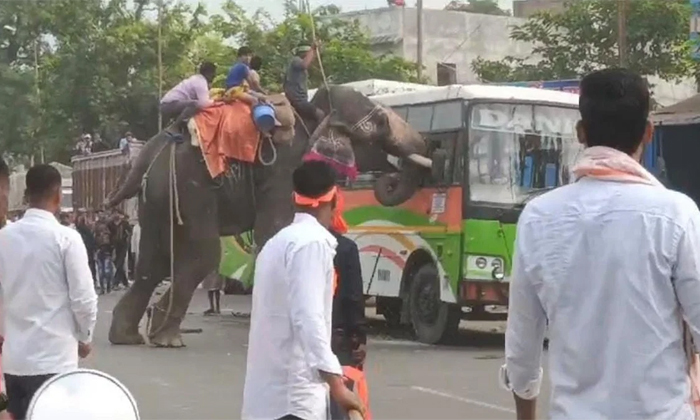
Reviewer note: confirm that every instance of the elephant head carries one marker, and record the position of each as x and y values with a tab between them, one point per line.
355	124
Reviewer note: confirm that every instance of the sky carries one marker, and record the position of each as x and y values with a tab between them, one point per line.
276	9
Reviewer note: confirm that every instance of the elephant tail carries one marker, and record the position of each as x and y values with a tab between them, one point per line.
130	185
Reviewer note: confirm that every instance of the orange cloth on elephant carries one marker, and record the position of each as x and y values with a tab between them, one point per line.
226	132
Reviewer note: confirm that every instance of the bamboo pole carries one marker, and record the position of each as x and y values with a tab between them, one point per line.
160	60
622	31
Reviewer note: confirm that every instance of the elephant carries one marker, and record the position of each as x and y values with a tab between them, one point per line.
183	211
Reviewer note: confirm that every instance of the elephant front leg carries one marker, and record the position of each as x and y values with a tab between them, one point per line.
167	314
164	324
127	315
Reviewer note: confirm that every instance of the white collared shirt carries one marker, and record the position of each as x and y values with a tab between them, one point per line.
290	328
48	297
135	238
610	266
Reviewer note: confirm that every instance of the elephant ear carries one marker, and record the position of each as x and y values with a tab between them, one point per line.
333	146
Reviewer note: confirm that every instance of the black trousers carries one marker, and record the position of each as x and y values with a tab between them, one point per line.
93	270
306	109
178	110
20	391
119	260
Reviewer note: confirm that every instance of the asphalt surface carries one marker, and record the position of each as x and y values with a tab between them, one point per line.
407	380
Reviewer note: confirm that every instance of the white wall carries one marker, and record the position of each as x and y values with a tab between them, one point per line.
450	37
459	38
669	93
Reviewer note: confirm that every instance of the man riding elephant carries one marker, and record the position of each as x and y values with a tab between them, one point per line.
183	211
190	95
296	83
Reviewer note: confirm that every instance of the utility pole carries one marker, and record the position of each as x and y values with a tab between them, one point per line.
419	35
38	98
160	60
622	31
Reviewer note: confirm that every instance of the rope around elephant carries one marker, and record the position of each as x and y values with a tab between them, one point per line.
174	204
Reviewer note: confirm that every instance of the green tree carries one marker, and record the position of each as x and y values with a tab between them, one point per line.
485	7
346	54
585	38
86	66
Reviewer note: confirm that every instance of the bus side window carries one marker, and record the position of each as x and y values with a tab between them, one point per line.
446	141
371	164
401	111
420	117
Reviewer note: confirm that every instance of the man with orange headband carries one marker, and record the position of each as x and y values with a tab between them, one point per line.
291	366
349	327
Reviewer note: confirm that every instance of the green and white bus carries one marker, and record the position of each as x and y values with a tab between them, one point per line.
446	254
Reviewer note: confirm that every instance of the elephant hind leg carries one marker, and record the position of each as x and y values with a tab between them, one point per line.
194	262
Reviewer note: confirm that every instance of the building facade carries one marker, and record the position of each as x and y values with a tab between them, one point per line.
526	8
452	40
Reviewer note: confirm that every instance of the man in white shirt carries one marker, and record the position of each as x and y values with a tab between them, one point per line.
610	265
4	191
48	299
291	366
135	239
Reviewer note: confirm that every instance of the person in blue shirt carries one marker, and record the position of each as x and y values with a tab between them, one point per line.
239	83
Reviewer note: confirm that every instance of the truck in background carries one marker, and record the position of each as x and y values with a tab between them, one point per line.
16	201
96	175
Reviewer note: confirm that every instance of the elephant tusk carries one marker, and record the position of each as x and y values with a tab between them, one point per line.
420	160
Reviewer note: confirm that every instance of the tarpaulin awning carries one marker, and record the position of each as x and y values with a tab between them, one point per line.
683	113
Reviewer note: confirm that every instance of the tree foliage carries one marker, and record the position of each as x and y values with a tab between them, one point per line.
86	66
485	7
585	37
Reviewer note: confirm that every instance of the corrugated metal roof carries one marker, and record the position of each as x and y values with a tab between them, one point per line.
682	113
445	93
374	87
385	39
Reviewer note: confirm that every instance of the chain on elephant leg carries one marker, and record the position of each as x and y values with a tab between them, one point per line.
164	329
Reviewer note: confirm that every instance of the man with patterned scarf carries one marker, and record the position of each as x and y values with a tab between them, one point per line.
610	265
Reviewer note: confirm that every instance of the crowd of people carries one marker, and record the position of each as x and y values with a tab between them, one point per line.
87	144
111	244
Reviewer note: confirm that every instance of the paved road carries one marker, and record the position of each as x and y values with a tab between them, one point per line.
205	379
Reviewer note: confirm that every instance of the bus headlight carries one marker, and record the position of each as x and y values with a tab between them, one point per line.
498	274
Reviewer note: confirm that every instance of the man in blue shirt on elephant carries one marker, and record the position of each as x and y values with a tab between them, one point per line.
239	83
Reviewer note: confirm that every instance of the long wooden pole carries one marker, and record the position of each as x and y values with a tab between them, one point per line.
419	36
622	31
160	60
38	94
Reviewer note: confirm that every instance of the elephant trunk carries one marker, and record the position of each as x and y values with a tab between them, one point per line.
405	142
396	188
131	186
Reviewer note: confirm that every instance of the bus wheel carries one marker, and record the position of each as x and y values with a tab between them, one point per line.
390	309
433	321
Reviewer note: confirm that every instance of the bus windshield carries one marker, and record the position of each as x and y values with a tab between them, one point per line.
517	150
